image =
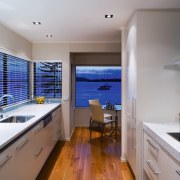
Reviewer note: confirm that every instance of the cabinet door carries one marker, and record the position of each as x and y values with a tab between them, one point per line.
15	165
131	107
7	165
131	135
56	115
39	152
173	170
23	158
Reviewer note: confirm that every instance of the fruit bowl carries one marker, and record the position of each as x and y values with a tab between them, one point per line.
40	100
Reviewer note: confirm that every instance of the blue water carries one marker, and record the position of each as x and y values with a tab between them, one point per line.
89	90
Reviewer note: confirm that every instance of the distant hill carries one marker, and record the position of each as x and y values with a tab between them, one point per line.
81	79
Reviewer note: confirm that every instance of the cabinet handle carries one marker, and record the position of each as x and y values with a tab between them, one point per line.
133	143
22	144
8	157
37	129
151	167
40	151
134	109
155	147
178	171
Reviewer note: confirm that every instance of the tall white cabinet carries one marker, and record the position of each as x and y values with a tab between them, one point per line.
152	92
131	96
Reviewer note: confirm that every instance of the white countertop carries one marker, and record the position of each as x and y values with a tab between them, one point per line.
9	131
158	131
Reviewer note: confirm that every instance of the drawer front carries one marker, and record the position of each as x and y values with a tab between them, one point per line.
173	170
154	159
152	152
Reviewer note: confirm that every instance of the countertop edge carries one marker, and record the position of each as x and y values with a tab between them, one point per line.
28	127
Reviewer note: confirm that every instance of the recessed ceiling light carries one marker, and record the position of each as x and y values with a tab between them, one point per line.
49	35
36	23
109	16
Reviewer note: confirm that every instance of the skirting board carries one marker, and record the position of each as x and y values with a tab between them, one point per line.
123	159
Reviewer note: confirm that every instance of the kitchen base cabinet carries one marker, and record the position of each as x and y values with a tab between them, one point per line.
173	170
38	153
56	115
158	165
7	164
24	158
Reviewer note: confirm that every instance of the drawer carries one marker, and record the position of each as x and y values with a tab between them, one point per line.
152	150
154	159
173	170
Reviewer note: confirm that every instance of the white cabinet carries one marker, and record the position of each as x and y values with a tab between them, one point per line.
7	164
24	158
38	152
56	115
154	159
131	99
173	170
16	160
157	164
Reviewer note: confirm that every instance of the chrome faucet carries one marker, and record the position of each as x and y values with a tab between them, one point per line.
1	98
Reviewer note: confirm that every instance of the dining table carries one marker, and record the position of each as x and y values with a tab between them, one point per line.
114	108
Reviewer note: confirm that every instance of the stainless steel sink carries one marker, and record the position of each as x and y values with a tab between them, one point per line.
17	119
175	135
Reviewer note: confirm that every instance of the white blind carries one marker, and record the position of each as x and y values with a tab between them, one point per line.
14	78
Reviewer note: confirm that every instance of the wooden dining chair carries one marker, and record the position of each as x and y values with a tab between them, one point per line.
97	116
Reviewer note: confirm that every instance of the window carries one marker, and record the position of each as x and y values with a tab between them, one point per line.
48	79
98	82
14	78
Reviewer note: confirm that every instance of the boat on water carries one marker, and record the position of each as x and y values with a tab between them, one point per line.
105	87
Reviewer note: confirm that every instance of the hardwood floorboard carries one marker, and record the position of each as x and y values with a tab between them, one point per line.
80	159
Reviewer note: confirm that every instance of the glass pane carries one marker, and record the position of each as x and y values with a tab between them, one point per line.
48	79
14	78
98	82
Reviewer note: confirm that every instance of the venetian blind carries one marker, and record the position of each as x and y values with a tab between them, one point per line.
48	79
14	78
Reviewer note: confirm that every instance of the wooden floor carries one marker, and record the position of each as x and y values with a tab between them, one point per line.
79	159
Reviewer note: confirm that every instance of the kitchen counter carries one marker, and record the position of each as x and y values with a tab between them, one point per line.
158	131
9	131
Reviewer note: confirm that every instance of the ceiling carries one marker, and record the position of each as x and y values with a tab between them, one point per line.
73	21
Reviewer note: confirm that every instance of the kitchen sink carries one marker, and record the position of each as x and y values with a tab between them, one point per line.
17	119
175	135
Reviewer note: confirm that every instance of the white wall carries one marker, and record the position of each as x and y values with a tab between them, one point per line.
82	115
61	52
94	47
58	52
12	43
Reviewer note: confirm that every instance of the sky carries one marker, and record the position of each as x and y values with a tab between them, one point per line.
95	72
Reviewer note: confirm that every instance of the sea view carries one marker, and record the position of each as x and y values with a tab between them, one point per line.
89	90
98	82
